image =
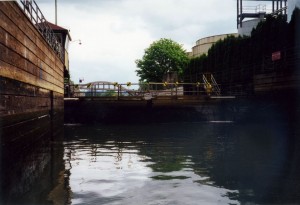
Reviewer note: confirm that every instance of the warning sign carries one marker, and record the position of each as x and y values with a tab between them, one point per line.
276	56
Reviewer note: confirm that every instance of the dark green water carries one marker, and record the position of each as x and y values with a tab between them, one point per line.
252	158
182	163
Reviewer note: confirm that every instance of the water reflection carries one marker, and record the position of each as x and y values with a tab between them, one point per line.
31	163
180	163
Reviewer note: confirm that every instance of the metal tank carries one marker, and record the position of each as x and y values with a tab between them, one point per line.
251	12
291	6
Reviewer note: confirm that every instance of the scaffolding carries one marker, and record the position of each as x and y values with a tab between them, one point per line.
279	7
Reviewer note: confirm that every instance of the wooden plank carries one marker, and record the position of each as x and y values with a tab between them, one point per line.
35	44
14	30
12	58
10	42
18	104
29	68
13	72
18	62
16	95
16	14
19	48
10	120
16	45
9	9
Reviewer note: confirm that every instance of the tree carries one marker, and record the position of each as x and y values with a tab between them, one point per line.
161	57
235	61
294	28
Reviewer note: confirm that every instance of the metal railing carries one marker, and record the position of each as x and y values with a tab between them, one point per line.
210	84
34	13
144	91
255	9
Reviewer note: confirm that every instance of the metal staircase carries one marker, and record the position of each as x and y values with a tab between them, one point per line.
210	84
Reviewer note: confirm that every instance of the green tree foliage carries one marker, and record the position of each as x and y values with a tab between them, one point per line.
235	61
109	93
161	57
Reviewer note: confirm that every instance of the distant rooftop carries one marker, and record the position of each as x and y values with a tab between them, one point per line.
56	27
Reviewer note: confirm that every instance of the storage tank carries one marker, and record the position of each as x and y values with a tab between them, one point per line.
248	27
291	6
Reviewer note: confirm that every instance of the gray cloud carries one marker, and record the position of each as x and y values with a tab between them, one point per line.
115	33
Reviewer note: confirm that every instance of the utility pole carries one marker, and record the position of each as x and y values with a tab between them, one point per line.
55	12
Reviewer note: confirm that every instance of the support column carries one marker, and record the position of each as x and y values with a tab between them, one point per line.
237	14
241	12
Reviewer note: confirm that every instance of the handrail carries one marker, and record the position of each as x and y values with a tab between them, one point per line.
216	87
37	18
261	8
211	86
104	89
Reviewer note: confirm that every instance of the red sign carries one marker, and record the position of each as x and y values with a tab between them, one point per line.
276	56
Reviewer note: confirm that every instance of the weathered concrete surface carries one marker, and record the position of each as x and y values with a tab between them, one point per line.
142	111
272	106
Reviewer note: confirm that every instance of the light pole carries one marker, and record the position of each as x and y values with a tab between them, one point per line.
55	12
78	40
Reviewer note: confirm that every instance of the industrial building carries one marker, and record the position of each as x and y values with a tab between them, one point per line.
249	14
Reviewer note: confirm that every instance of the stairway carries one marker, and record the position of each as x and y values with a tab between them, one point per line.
210	84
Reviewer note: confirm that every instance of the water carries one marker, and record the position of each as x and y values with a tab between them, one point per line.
182	163
248	155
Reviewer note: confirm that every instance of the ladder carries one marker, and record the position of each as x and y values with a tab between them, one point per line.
210	84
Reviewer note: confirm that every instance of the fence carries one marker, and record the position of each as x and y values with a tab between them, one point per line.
143	91
34	13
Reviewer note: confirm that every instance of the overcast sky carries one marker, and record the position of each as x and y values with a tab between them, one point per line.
114	33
